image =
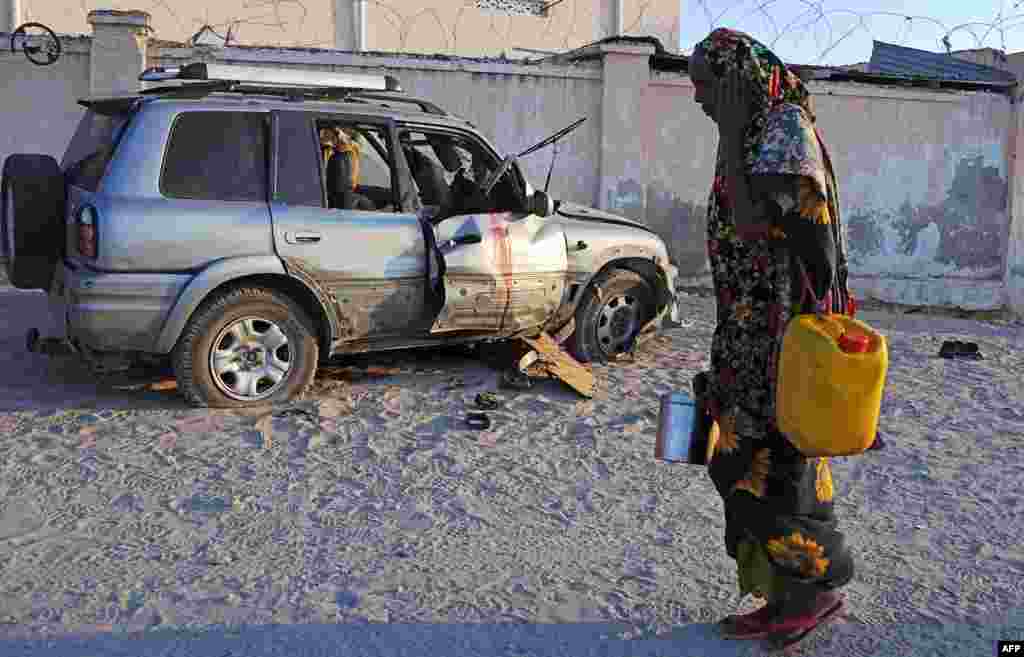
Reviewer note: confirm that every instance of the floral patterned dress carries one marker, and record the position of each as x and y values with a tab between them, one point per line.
780	523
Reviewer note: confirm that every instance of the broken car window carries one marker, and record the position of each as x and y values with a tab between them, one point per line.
448	170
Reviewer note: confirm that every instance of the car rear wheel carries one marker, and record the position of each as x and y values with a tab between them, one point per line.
247	347
32	206
613	310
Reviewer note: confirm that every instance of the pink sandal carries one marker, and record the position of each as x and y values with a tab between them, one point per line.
765	622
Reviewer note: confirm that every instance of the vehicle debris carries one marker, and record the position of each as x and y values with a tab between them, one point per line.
560	365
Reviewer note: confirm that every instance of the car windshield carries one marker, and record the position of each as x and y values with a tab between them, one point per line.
92	147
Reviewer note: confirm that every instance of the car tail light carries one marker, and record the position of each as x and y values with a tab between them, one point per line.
88	239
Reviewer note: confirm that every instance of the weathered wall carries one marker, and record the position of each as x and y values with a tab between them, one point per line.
924	189
423	26
924	174
38	102
923	181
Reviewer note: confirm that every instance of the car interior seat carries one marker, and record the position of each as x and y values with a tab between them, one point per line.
429	176
339	181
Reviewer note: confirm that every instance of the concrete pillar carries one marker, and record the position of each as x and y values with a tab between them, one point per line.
118	55
10	15
611	18
1014	280
350	25
624	172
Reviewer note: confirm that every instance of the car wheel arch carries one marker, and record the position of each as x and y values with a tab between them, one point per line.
646	267
248	271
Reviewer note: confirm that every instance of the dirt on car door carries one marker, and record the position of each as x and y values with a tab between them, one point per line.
503	272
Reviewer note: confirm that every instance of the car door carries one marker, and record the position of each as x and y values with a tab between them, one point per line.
371	263
504	270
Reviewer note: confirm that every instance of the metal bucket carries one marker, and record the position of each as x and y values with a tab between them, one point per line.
675	425
684	426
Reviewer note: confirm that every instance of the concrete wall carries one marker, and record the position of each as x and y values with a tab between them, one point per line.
453	27
923	174
38	107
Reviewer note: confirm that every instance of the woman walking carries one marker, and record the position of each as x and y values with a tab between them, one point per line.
776	248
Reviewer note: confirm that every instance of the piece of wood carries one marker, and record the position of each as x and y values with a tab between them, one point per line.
561	365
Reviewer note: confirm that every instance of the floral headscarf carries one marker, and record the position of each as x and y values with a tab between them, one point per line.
782	137
770	82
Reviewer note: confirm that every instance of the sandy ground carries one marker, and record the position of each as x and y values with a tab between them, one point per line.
377	524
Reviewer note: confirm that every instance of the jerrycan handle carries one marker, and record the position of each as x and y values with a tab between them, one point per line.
821	307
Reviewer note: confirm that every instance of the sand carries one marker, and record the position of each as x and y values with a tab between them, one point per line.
377	523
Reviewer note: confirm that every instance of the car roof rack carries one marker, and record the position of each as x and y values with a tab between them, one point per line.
425	105
200	80
269	77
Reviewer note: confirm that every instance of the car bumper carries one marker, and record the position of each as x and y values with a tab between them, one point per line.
115	312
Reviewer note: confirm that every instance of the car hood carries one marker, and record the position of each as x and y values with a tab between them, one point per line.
583	213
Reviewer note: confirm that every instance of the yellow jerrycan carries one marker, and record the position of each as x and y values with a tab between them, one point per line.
831	376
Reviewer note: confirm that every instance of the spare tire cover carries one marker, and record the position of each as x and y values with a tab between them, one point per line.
33	197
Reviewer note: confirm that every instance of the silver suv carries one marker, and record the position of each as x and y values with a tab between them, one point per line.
245	224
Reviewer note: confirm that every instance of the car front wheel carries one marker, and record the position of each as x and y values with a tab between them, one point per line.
246	347
613	310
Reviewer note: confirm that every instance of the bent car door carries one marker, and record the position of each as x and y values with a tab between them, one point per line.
365	253
503	272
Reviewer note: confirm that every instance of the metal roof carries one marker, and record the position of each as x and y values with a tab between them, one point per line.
892	60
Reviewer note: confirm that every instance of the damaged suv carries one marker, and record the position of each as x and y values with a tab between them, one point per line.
245	224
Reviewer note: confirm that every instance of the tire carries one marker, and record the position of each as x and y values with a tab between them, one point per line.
33	198
205	384
614	308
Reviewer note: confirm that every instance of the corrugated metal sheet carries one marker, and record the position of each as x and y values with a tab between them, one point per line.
889	59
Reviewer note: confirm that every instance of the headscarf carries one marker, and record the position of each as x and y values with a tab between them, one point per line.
770	82
781	137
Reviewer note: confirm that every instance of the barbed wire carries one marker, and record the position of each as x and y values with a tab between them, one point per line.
816	17
565	26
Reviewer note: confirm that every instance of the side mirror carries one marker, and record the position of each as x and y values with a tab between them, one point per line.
541	204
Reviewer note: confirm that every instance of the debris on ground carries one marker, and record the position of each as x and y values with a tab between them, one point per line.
297	412
558	364
516	379
488	401
957	349
351	374
478	421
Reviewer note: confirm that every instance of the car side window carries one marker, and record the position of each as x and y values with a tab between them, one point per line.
356	165
217	156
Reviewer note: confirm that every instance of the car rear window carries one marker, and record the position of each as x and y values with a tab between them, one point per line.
217	156
92	147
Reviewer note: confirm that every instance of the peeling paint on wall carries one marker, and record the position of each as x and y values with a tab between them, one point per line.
967	230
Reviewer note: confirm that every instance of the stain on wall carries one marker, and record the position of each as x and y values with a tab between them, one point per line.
963	233
966	230
970	223
683	226
681	223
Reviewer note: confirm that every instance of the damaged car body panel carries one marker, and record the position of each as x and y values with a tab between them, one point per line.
513	279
